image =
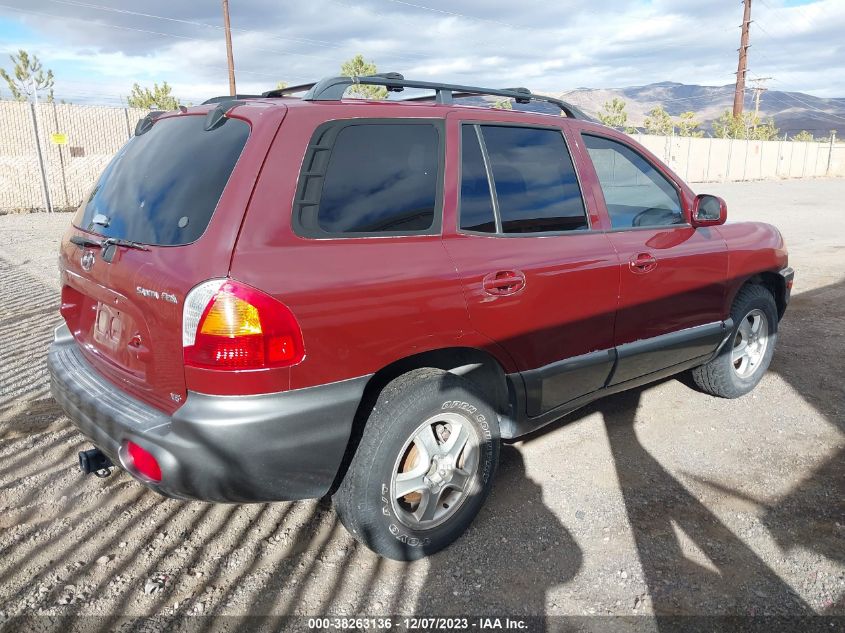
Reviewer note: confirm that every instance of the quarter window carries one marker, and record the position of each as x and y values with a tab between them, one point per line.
476	200
635	192
378	178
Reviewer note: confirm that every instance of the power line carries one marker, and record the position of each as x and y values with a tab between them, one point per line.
150	32
465	16
145	31
812	107
103	24
99	7
264	35
792	96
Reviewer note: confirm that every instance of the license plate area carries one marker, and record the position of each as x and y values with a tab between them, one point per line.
108	327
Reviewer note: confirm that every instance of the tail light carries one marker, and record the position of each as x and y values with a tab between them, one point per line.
143	462
228	325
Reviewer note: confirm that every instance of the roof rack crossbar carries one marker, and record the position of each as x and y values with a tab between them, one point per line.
332	89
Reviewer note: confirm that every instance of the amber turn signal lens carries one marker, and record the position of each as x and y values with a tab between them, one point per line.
231	316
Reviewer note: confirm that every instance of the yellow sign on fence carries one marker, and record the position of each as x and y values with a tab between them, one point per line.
58	138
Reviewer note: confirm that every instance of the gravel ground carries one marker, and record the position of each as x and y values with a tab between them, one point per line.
657	501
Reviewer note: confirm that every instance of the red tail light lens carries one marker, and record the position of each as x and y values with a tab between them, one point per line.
143	462
239	328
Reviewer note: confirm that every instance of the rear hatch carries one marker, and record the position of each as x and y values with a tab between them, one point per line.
166	213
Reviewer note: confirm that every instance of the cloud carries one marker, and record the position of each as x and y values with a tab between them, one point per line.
103	46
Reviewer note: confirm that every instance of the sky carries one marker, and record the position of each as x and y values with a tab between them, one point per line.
99	48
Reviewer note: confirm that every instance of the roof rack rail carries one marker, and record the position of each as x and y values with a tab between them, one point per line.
289	90
332	89
228	98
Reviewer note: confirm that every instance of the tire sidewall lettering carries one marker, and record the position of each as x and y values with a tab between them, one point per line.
484	425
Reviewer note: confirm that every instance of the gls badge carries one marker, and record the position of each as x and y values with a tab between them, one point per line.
87	261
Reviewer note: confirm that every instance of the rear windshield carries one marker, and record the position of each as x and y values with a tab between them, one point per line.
163	186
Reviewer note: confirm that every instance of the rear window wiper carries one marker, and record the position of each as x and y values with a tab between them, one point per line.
85	242
116	241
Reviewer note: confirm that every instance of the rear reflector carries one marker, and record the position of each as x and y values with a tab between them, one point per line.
143	462
228	325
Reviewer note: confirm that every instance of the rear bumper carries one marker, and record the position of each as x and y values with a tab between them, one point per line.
269	447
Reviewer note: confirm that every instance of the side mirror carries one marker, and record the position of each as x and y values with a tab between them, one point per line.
709	210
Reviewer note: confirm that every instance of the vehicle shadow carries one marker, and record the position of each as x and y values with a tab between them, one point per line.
690	559
811	516
514	550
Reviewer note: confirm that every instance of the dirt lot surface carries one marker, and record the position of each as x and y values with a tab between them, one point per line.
660	500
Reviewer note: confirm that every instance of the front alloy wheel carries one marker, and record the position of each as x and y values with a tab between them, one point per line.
742	361
750	343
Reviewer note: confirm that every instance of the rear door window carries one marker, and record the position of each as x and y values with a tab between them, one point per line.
379	178
534	179
162	187
636	194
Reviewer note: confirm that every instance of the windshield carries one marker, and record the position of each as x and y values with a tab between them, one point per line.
162	187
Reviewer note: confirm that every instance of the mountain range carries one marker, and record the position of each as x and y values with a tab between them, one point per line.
791	111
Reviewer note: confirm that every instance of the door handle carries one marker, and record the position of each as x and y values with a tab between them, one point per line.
503	282
642	263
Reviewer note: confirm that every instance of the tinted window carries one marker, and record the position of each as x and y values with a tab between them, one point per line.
476	200
635	193
535	182
163	186
380	177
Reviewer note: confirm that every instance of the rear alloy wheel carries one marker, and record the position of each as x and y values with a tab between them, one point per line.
433	473
742	361
423	467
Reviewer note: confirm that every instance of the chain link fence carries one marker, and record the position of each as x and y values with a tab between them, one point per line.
75	142
51	154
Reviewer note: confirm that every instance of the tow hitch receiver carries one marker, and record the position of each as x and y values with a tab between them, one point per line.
95	461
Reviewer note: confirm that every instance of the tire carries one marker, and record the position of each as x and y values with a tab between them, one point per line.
398	453
737	369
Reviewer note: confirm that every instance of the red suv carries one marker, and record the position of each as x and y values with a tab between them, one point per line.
273	298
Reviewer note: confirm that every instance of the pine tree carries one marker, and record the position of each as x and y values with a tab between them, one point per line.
658	122
357	67
688	125
613	113
26	70
158	98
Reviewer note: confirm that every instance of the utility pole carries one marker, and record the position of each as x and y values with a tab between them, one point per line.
228	29
742	68
758	90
